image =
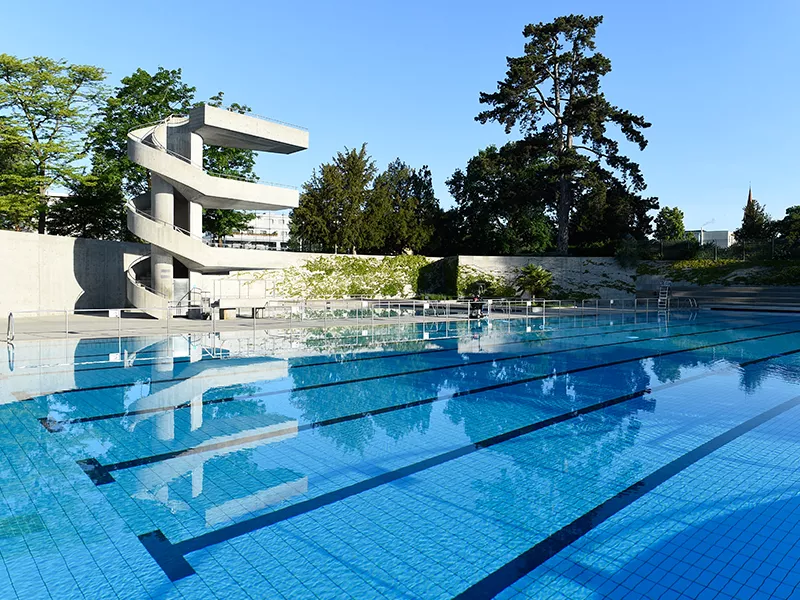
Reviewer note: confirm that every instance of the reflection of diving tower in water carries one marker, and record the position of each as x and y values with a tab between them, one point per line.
170	217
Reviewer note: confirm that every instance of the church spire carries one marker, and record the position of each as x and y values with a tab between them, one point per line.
750	196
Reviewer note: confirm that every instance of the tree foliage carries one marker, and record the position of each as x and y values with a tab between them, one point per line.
669	224
347	206
607	211
220	223
552	93
19	193
789	226
502	198
756	223
49	104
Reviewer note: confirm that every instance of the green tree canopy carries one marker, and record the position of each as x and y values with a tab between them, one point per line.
19	193
142	98
756	223
669	224
402	211
607	211
502	199
552	93
49	103
329	216
789	226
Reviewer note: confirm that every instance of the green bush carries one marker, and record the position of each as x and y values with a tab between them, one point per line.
535	280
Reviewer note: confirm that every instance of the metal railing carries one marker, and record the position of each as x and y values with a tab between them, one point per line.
262	117
275	313
10	331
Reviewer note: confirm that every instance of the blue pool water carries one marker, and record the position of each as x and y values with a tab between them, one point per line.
596	457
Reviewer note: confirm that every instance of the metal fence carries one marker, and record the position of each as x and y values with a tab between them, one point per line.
43	324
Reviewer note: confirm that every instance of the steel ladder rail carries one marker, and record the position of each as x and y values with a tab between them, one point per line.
10	333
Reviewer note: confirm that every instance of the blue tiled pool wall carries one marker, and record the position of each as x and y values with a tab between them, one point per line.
434	533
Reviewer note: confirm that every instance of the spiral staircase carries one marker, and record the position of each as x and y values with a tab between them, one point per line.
169	216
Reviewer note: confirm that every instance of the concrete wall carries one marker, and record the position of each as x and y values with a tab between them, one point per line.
46	272
602	276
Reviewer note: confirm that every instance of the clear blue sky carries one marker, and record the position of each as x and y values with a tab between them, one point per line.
718	79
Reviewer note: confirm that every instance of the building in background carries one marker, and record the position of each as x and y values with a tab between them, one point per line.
721	238
268	231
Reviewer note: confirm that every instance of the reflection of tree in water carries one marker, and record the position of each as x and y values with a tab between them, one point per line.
348	399
752	376
585	445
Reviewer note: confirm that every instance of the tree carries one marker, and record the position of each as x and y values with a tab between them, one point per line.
402	210
534	279
669	224
93	209
50	103
329	216
607	211
220	223
142	98
19	199
756	223
789	226
502	199
553	94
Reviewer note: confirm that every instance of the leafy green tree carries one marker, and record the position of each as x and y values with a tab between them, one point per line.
19	194
94	209
402	210
607	211
141	98
329	216
535	280
669	224
220	223
552	93
50	103
756	223
502	199
789	226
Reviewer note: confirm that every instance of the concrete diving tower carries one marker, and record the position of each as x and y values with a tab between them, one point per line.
170	216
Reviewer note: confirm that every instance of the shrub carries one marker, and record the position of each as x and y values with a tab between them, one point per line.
534	279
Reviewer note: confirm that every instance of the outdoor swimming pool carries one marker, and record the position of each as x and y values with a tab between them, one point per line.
582	458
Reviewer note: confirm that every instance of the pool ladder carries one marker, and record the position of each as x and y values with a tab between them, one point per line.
10	328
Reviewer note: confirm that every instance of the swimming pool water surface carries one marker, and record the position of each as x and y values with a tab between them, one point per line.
620	456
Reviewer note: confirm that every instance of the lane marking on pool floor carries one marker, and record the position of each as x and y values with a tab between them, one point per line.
54	425
536	555
171	557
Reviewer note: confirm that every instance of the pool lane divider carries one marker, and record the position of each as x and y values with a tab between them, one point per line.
172	557
539	553
384	356
101	474
54	426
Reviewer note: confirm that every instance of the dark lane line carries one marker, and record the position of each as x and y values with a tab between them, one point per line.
411	353
100	474
54	426
171	557
536	555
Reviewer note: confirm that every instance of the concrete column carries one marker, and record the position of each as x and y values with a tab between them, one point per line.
195	210
162	204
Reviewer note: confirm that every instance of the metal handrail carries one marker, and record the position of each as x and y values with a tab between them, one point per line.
10	333
195	289
134	281
262	117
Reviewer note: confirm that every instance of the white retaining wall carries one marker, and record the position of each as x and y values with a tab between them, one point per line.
46	272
